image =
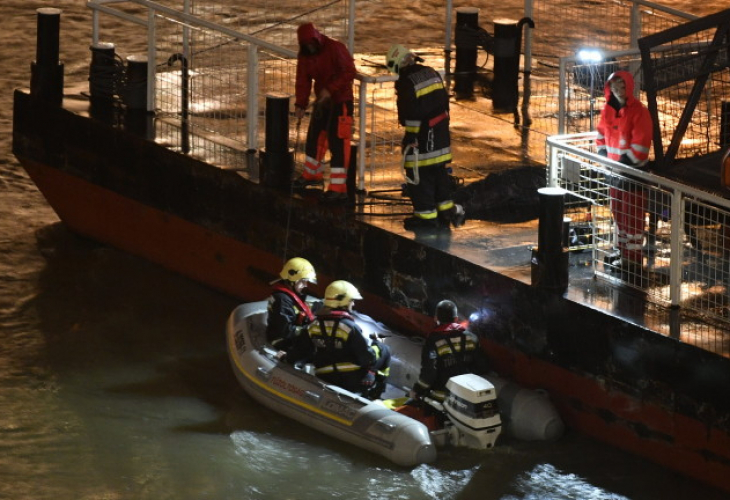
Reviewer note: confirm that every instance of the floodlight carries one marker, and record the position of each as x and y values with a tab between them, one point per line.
590	56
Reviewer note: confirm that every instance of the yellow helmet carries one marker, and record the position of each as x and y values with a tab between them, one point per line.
395	57
340	293
298	269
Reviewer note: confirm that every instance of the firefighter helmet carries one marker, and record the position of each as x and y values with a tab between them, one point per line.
446	312
297	269
340	293
396	57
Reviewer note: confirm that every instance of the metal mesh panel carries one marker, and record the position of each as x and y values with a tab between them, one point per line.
677	68
603	25
682	257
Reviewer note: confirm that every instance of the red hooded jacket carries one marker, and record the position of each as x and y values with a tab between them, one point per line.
627	130
331	68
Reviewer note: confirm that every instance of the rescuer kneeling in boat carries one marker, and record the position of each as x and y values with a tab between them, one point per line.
338	349
288	312
450	350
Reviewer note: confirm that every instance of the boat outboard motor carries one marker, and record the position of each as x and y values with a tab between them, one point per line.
471	409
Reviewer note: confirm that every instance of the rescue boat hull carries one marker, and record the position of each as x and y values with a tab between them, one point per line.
329	409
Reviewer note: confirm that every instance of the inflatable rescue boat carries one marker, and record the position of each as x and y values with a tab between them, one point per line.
472	416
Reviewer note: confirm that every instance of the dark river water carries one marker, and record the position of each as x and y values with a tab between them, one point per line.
115	384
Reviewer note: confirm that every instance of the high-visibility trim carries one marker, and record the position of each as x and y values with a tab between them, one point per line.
431	86
431	158
426	214
337	367
445	205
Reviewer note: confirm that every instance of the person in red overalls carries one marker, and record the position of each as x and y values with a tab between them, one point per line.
625	133
328	64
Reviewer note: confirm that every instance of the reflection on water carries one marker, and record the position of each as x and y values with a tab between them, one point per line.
115	384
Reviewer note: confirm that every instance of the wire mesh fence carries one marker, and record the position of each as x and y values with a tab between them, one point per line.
644	231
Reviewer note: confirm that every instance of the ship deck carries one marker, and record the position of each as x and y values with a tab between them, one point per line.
506	247
503	247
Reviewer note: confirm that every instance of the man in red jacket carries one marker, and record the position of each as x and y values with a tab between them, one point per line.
624	134
328	64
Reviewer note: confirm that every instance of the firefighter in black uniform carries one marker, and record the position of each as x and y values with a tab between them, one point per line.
423	109
338	349
289	314
449	350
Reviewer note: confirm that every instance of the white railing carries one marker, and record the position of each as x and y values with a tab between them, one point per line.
686	247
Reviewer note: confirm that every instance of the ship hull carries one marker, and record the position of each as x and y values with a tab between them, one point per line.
610	379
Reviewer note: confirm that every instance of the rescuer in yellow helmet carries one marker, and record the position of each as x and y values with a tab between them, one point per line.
340	352
289	313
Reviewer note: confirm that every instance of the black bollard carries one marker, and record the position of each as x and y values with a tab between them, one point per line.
507	48
276	160
135	91
102	73
550	258
506	65
465	39
46	72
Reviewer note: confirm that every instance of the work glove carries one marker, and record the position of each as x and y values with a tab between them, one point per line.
625	160
369	379
410	139
603	152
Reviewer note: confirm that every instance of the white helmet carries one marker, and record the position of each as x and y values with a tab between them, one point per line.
297	269
340	293
396	58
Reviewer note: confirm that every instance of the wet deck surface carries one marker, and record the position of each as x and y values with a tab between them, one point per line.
506	247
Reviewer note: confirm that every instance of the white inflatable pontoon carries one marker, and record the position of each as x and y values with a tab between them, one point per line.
471	406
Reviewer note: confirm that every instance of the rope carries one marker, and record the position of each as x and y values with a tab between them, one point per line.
106	78
291	192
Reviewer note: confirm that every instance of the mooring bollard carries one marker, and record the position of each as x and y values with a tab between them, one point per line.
276	159
467	25
550	258
135	91
507	49
46	72
103	72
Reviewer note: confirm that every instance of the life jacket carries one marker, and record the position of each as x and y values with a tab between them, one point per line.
453	352
330	334
304	313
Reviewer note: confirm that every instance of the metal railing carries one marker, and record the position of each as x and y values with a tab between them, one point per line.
685	248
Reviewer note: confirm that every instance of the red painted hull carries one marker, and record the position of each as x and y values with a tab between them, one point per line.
224	264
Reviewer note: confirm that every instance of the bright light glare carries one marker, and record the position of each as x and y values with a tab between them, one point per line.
590	56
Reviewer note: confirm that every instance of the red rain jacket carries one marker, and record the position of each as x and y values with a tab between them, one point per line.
331	68
627	130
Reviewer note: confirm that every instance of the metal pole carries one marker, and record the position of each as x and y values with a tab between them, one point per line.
362	124
252	106
562	92
151	59
677	249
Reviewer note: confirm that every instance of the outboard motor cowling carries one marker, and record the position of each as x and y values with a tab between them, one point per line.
471	406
